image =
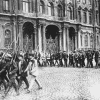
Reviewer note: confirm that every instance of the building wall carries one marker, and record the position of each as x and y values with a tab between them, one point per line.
15	17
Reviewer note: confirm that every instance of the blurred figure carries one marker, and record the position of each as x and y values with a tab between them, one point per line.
33	72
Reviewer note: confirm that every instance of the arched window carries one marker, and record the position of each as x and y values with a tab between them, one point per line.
86	40
42	7
90	18
85	17
84	1
52	9
70	13
91	41
60	11
79	15
49	9
81	40
26	6
97	14
90	2
97	40
6	5
96	3
7	38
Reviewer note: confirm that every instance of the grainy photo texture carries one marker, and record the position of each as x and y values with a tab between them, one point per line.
49	50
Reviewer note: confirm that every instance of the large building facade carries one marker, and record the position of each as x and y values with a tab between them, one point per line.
49	25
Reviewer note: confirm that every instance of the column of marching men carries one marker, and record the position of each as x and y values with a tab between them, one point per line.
79	58
14	70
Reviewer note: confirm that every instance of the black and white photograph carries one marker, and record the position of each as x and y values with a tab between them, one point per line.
49	49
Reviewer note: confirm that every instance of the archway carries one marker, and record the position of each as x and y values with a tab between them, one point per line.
52	39
72	39
28	37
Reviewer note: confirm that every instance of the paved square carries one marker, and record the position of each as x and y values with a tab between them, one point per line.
62	84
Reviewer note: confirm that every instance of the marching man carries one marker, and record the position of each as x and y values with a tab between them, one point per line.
32	68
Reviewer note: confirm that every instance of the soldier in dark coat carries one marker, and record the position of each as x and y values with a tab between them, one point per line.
76	59
22	65
80	60
65	56
3	73
71	59
83	59
90	59
26	57
87	56
60	59
96	57
11	69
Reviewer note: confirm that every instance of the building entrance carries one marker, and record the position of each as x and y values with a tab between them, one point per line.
71	39
52	41
28	37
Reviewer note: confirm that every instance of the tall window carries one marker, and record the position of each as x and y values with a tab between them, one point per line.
84	1
90	2
79	16
52	9
90	18
96	3
18	3
91	41
60	11
49	9
26	6
78	0
70	13
86	40
85	17
7	38
97	17
42	7
81	40
6	5
97	40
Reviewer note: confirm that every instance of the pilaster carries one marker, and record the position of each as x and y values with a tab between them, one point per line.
67	29
60	41
35	37
20	36
64	39
44	39
39	38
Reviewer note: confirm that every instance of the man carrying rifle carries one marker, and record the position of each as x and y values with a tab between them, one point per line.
11	69
3	74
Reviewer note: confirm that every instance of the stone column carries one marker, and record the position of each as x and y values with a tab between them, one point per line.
39	38
35	37
15	34
44	39
60	40
79	41
67	40
76	40
20	36
64	39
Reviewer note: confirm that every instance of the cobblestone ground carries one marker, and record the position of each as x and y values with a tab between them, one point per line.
62	84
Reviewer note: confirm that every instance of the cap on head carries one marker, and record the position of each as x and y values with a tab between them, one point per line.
31	55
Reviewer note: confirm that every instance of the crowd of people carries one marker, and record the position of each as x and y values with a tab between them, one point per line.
18	66
79	58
